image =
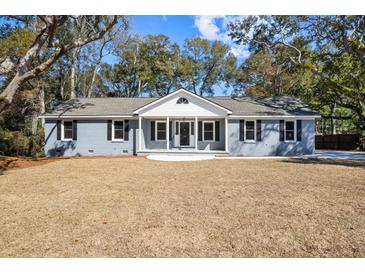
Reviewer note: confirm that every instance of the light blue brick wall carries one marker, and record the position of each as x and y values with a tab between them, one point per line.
270	144
92	140
217	145
91	136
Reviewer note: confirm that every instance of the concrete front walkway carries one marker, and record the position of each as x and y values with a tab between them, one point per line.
180	157
336	154
318	154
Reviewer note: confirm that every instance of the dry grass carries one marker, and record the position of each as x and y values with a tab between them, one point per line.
133	207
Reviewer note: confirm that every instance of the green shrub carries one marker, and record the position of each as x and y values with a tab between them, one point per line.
16	143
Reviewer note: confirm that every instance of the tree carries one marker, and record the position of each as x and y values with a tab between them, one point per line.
161	64
13	45
146	65
19	129
126	77
205	64
330	48
88	80
262	74
46	49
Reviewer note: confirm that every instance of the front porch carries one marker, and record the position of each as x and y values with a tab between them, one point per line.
182	121
183	135
184	151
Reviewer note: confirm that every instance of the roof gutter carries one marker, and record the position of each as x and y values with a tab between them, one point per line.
310	117
85	116
229	116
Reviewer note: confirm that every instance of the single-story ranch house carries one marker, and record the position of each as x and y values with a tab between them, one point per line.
180	122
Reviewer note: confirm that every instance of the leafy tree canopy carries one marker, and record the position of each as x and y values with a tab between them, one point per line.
329	52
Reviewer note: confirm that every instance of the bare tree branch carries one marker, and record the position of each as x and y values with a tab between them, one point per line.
51	23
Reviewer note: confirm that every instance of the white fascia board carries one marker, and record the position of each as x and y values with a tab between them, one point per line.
187	92
266	117
187	117
85	116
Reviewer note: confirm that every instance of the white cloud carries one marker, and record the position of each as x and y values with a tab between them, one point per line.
214	28
207	27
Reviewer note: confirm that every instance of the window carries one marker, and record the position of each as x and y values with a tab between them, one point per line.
289	130
182	100
208	131
250	131
160	131
177	128
67	130
118	130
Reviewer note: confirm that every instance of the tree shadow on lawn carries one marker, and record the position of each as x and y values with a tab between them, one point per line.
7	163
323	161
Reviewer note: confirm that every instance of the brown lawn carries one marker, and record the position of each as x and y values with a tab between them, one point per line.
134	207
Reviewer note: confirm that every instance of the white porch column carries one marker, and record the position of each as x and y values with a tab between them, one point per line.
226	133
139	133
196	133
168	133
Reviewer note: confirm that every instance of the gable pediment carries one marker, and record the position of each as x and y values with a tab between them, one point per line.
182	103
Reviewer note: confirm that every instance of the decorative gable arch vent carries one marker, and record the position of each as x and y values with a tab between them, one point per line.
182	100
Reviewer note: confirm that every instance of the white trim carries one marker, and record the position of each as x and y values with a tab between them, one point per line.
168	133
196	124
267	117
186	117
177	125
203	137
63	131
156	130
177	91
294	131
85	116
118	139
226	134
132	117
254	132
139	133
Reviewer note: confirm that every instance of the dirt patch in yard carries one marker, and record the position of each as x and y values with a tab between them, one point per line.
7	163
134	207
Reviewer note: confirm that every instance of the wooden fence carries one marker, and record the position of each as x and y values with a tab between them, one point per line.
339	141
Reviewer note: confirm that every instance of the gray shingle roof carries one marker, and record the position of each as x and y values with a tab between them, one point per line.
278	105
100	106
251	106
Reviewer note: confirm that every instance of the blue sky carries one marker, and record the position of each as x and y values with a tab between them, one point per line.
178	28
181	27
